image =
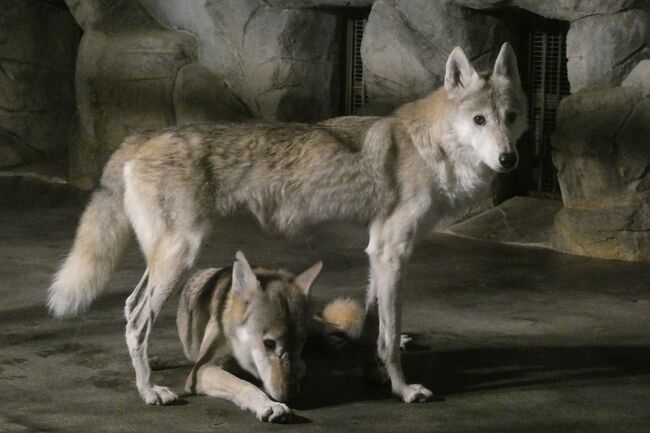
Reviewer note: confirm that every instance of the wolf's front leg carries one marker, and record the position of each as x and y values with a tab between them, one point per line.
389	252
216	382
373	368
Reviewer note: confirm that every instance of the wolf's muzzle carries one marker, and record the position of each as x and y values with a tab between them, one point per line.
508	160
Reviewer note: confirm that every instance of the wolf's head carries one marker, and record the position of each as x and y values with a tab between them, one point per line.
491	110
269	337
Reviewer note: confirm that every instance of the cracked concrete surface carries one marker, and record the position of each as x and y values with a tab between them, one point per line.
512	339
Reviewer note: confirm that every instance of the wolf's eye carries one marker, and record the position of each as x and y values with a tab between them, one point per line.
269	344
511	117
479	120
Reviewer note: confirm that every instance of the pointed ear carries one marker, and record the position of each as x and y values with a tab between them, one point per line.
460	73
306	279
244	281
506	63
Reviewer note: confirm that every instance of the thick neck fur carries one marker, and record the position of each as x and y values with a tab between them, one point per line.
458	174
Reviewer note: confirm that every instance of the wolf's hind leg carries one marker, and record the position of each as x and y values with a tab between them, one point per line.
170	227
167	262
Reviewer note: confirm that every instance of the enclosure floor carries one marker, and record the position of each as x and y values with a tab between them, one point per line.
511	339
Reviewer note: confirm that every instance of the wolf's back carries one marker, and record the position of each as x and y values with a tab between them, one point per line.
100	240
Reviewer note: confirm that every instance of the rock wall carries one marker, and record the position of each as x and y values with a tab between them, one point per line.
36	80
407	42
281	61
603	48
154	63
602	152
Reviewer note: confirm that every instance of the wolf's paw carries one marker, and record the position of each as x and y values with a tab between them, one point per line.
158	395
413	393
274	412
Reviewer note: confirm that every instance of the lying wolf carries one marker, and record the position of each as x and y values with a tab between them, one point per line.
399	175
256	317
259	319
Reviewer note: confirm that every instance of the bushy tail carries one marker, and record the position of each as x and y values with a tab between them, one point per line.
101	237
338	325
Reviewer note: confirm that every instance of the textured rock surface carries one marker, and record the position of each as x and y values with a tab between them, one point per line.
519	220
567	10
283	63
36	80
602	152
125	82
246	56
639	77
606	37
407	43
290	62
200	96
320	3
153	63
602	49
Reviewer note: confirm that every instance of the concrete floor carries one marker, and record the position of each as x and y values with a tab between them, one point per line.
511	339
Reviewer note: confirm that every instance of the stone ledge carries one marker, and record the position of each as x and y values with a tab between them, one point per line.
519	221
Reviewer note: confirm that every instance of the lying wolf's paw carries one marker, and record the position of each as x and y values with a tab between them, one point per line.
158	395
413	393
273	412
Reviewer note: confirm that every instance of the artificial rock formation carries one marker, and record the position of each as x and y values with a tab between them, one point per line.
36	80
151	63
154	63
281	62
134	73
603	49
602	152
407	42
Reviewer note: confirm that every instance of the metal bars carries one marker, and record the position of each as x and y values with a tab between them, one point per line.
548	85
355	92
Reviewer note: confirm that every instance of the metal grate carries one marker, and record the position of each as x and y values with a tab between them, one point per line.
355	92
548	85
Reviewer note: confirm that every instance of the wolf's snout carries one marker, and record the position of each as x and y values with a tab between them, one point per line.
508	160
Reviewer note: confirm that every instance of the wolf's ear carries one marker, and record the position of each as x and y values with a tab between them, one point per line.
506	63
306	279
244	281
460	73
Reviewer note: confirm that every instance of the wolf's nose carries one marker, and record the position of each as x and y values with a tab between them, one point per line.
508	160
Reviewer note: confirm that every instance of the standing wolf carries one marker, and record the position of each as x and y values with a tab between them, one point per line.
399	174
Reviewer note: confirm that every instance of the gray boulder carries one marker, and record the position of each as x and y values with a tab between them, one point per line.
290	64
282	63
407	42
602	152
639	77
602	49
126	73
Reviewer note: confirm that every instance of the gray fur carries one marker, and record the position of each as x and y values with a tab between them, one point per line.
399	175
221	320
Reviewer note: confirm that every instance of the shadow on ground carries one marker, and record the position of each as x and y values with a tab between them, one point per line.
335	381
